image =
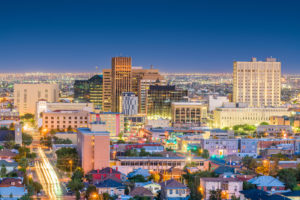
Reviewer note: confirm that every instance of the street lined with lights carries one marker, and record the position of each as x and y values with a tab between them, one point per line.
47	176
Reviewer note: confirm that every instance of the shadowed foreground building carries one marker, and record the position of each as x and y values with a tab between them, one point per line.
89	91
94	146
160	98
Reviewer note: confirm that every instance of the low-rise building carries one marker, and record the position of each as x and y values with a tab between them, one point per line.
174	190
110	186
228	185
267	183
128	164
188	114
275	129
232	114
64	119
293	121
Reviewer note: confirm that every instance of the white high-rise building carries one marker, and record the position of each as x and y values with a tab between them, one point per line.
257	82
129	103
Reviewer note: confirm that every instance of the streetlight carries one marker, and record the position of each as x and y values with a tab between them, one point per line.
94	195
71	163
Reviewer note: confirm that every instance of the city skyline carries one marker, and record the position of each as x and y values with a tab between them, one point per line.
197	36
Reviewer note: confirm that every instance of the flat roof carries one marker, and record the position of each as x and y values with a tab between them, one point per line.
88	131
157	158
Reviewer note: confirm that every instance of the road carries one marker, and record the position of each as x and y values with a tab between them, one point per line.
47	176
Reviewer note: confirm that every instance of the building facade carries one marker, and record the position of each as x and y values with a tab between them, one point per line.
27	95
257	83
188	114
93	146
121	79
160	98
89	91
129	103
114	122
64	119
229	116
107	90
216	102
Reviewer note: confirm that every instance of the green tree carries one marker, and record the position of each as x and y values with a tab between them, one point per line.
248	186
215	194
26	139
233	197
205	154
288	177
37	187
67	159
137	178
76	182
3	171
264	123
91	189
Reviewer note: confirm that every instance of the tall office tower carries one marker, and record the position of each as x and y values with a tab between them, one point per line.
93	146
160	98
27	95
257	82
107	87
129	103
121	79
141	80
89	91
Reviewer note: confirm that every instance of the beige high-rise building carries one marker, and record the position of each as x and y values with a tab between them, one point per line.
141	81
27	95
121	79
257	82
107	87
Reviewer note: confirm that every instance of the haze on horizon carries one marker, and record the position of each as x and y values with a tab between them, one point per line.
194	36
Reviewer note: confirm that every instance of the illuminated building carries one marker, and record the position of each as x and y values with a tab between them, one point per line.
44	106
229	186
236	114
215	102
114	121
257	83
141	81
121	79
89	90
64	119
27	95
293	121
129	103
93	146
160	98
128	164
107	90
188	114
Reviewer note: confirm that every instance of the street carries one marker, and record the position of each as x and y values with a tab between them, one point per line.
47	176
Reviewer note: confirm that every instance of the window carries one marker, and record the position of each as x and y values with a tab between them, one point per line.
171	191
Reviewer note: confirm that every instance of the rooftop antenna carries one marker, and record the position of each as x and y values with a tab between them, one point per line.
151	66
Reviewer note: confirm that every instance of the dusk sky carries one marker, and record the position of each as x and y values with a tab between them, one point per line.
174	36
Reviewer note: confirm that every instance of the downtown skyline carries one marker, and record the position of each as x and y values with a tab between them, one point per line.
196	37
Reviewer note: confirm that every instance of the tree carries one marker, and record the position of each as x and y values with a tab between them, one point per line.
90	190
215	194
3	171
76	183
23	163
137	178
67	159
37	187
264	123
28	116
249	162
233	197
26	139
288	177
205	154
248	186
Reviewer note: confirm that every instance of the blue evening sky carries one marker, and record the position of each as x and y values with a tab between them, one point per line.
174	36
